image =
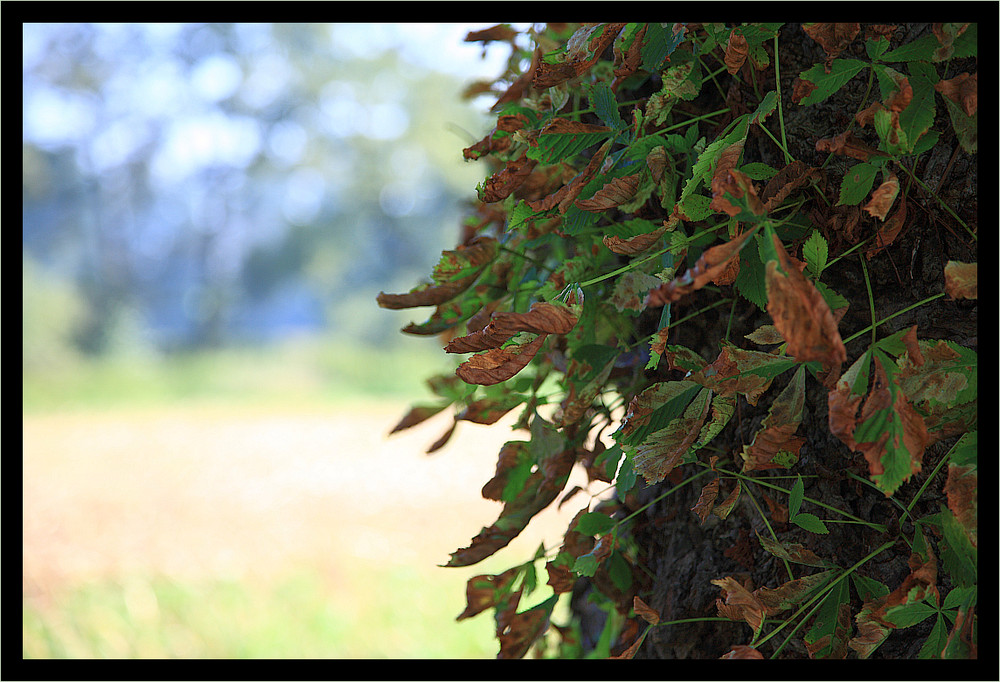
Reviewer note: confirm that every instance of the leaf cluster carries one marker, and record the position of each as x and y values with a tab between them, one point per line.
612	199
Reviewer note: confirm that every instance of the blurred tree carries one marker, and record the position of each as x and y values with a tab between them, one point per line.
231	182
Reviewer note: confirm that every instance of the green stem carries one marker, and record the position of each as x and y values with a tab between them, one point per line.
770	530
781	118
939	200
827	588
669	492
694	120
871	299
896	314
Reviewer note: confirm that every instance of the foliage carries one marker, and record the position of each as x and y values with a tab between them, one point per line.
611	202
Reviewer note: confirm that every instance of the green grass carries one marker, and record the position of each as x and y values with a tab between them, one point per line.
309	371
397	612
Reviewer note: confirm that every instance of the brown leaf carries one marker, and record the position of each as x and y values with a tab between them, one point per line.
561	578
645	611
521	631
963	90
500	32
847	144
614	193
522	84
443	440
583	50
712	263
890	229
777	433
801	89
416	415
486	591
703	507
724	509
834	38
883	197
502	184
737	50
567	194
498	364
962	489
742	651
661	451
449	276
961	279
541	318
779	512
737	603
641	242
793	176
739	186
632	649
511	454
802	316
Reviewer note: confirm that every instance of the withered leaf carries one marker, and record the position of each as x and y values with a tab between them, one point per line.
561	578
801	314
890	229
725	508
801	89
498	364
521	630
614	193
963	90
502	184
847	144
416	415
564	197
961	279
583	50
523	82
712	263
834	38
737	603
775	445
443	440
645	611
660	452
541	318
742	651
883	197
962	490
541	488
486	591
454	273
737	49
500	32
793	176
703	507
641	242
738	185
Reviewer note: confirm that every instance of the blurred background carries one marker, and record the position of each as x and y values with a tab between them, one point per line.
209	211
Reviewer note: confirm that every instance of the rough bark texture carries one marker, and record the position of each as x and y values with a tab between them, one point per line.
685	555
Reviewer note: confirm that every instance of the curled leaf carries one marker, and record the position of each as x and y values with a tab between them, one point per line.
883	197
502	184
454	273
961	279
847	144
834	38
801	314
614	193
963	90
776	445
660	452
890	229
711	265
703	507
498	364
542	318
737	603
583	50
742	651
737	49
740	187
645	611
564	197
486	591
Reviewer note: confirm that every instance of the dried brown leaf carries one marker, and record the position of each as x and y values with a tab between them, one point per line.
541	318
703	507
834	38
961	279
712	264
645	611
883	197
963	90
737	49
890	229
498	364
614	193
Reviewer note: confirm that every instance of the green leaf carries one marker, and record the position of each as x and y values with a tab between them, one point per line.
828	621
831	297
750	281
810	522
667	400
876	47
758	171
555	147
868	589
936	640
619	571
658	43
960	597
795	497
917	118
595	523
910	614
606	106
966	127
841	71
585	565
959	556
857	183
921	49
815	251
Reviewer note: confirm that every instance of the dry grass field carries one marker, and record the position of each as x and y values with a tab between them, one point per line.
191	531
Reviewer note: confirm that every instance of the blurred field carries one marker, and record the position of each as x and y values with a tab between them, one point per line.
214	528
